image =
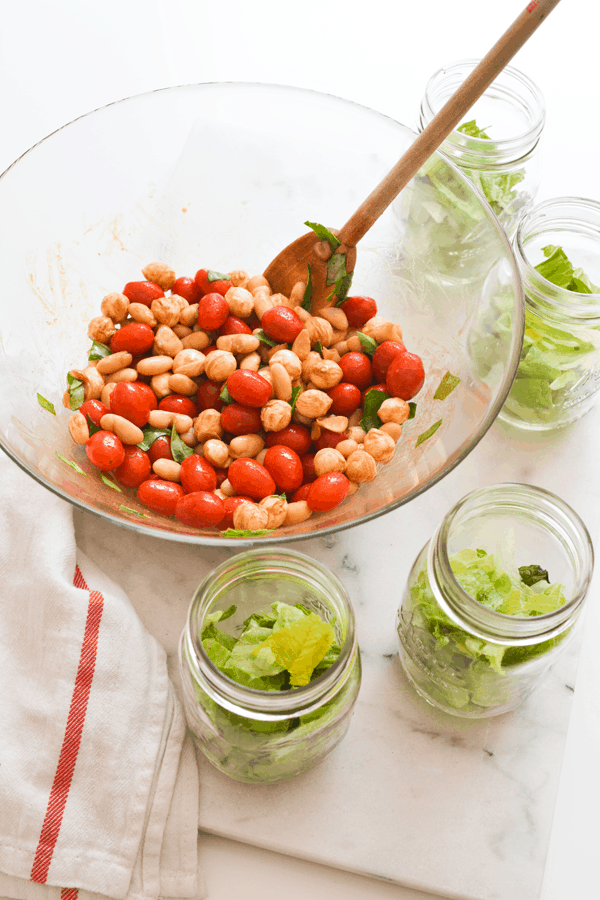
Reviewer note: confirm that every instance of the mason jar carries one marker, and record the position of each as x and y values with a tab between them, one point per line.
559	370
470	658
500	153
265	736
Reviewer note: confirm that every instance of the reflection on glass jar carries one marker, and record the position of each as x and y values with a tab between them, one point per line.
497	145
270	665
492	600
557	247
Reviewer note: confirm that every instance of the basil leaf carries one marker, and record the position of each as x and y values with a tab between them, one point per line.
150	435
306	300
336	267
225	396
324	234
412	410
295	394
111	484
427	434
373	400
367	343
72	464
179	450
76	392
239	533
93	428
216	276
265	340
134	512
446	386
46	404
530	575
341	289
98	351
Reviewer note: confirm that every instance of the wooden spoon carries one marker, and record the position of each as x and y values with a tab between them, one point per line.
290	266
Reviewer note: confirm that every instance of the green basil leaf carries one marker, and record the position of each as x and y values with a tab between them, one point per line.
295	394
216	276
412	410
530	575
46	404
72	464
239	533
446	386
111	484
225	396
93	428
98	351
336	268
367	343
179	450
307	298
150	435
427	434
324	234
76	392
341	289
373	400
264	339
319	347
134	512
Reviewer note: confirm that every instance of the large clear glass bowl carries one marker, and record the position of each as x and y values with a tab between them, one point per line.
223	176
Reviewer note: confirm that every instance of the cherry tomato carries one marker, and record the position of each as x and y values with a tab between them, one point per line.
249	388
357	369
285	467
237	419
346	399
327	491
330	439
231	504
210	349
160	448
207	396
301	493
213	310
383	356
188	289
177	403
374	387
308	467
135	468
219	286
359	310
405	376
148	392
200	509
132	401
160	496
137	338
197	474
95	409
142	292
282	324
296	437
221	475
234	325
248	477
105	451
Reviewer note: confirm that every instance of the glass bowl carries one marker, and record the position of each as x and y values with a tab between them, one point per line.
223	176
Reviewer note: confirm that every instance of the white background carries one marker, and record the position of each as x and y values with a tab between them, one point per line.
60	59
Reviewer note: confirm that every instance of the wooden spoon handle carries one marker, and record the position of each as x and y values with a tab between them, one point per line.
447	118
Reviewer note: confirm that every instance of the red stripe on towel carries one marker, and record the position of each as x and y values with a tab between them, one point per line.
69	894
71	741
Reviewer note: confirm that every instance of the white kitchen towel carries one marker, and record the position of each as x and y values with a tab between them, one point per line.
98	782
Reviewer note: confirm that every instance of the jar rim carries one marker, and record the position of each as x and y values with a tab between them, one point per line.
272	704
489	624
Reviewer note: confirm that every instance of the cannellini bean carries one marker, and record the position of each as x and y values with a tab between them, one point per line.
288	359
160	274
257	281
161	418
297	294
155	365
297	512
160	385
198	340
246	445
122	375
189	437
125	430
346	447
282	383
114	362
336	317
216	452
393	429
182	331
166	342
106	392
238	343
301	346
181	384
139	312
251	362
78	428
189	362
227	488
167	469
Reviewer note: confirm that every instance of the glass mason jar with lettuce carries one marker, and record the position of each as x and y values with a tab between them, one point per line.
557	247
270	665
492	600
497	146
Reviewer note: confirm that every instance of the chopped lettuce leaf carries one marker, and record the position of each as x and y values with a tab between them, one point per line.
299	647
558	269
471	130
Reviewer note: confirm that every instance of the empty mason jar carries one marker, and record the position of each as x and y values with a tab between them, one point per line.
497	146
268	735
559	370
493	598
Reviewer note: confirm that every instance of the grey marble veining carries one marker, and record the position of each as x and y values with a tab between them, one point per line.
457	807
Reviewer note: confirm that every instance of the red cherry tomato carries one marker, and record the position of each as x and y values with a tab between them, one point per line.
383	356
188	289
296	437
357	369
210	349
95	409
207	396
231	504
177	403
132	401
135	468
160	448
197	474
301	493
346	399
249	388
142	292
136	338
327	491
237	419
374	387
282	324
234	325
160	496
330	439
250	478
213	310
219	286
200	509
405	376
359	310
285	467
105	451
308	467
221	475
